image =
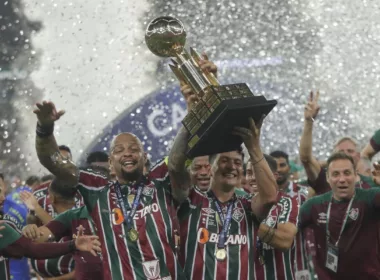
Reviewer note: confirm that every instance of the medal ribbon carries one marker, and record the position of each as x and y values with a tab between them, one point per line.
344	220
128	219
225	221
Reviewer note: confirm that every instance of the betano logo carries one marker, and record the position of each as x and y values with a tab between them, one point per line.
205	236
118	218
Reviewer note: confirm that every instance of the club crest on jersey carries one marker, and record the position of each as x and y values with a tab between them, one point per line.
151	269
238	214
270	221
322	218
148	191
354	213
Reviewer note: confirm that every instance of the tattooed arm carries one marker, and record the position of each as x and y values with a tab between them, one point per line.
47	148
179	175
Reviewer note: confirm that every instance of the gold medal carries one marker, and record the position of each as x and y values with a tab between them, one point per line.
131	197
221	254
133	235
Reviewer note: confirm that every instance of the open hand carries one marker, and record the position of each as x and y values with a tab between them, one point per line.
29	200
47	114
87	243
251	136
32	232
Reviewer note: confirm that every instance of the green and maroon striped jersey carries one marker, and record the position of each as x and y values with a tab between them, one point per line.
152	256
87	266
199	231
358	246
278	265
56	266
10	235
304	242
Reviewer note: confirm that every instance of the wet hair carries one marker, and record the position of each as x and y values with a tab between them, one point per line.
213	157
280	154
47	177
339	156
97	156
31	180
61	189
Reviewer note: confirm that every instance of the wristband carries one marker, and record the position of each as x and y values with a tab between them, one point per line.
258	161
44	131
72	246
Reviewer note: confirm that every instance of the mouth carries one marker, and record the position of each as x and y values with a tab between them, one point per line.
203	181
128	164
229	175
343	188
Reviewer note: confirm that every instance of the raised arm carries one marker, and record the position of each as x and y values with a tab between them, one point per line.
283	236
372	148
179	174
266	183
310	163
46	145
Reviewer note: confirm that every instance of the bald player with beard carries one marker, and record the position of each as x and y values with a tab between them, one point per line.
200	172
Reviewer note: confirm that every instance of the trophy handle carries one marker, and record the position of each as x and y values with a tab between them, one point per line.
209	76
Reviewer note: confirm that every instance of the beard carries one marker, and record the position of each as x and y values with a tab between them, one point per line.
132	176
281	180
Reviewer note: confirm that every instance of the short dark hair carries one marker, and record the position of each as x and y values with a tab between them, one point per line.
271	162
60	188
64	148
2	176
47	177
280	154
340	156
214	156
31	180
97	156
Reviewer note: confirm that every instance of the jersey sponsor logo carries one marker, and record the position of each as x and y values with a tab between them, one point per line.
238	214
354	213
205	236
322	218
270	221
146	210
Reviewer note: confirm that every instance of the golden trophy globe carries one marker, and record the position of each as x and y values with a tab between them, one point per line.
220	107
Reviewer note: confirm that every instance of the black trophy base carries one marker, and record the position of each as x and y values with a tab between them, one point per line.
214	135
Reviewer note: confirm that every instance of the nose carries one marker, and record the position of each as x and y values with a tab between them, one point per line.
204	171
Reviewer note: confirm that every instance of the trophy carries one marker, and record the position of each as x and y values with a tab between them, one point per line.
220	107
